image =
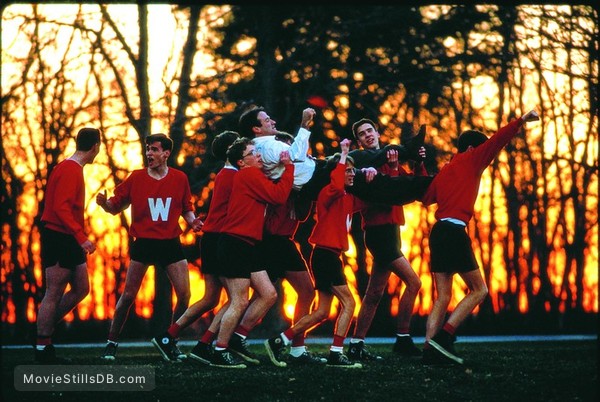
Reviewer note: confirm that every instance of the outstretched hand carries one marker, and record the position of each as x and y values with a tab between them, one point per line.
101	199
308	115
530	116
345	146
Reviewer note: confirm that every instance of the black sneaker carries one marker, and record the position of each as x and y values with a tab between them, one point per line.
414	143
444	343
202	352
405	347
239	346
165	345
338	359
226	359
307	358
359	352
48	356
177	352
432	356
110	351
275	348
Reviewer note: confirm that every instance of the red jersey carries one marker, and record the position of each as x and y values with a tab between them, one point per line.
220	198
456	186
335	208
381	214
251	193
156	205
279	220
64	200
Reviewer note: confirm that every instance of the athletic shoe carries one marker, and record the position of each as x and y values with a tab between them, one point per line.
414	143
48	356
165	345
444	343
226	359
275	348
307	358
110	351
359	352
405	347
432	356
338	359
202	352
239	346
177	352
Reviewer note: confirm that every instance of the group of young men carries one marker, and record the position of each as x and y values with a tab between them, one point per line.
269	185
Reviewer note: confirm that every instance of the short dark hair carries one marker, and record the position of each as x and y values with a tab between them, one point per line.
359	123
222	142
235	152
165	142
87	137
471	138
248	120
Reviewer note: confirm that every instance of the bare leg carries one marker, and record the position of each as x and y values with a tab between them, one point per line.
304	287
401	267
263	299
347	309
443	286
477	293
179	276
56	282
375	288
212	294
80	287
320	314
133	281
237	288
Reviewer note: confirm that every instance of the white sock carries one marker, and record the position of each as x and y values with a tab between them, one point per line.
240	335
356	340
401	335
339	349
297	351
286	341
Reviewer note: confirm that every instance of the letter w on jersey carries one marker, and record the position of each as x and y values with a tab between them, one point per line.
158	209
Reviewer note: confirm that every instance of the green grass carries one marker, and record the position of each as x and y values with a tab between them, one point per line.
511	371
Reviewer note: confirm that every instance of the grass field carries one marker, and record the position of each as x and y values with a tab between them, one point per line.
504	371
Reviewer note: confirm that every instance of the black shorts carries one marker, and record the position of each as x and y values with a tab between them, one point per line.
450	249
327	268
161	252
209	256
279	254
237	258
61	248
383	242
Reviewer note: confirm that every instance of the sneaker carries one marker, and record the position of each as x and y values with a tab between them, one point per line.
444	343
239	346
405	347
202	352
359	352
414	143
177	352
307	358
165	345
110	351
226	359
48	356
338	359
432	356
275	348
